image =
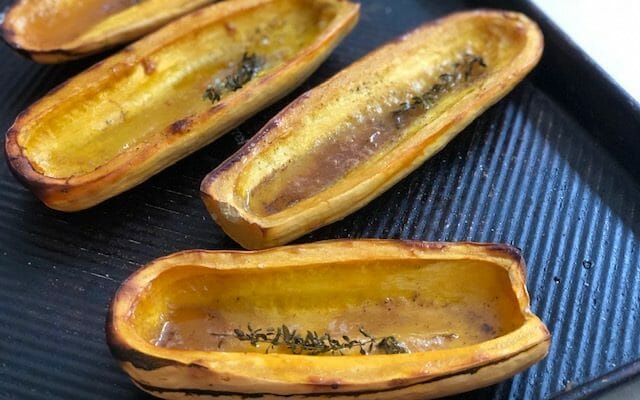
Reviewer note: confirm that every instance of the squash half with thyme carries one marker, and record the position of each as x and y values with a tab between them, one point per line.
169	94
366	319
54	31
341	144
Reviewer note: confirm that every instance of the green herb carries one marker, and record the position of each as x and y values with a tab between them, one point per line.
247	69
314	344
390	345
460	72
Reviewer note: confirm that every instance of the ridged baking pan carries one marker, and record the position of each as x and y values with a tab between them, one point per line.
552	169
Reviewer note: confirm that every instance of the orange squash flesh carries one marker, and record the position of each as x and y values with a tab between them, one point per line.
462	311
53	31
343	143
141	110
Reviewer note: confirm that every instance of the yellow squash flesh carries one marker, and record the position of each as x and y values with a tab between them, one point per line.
461	309
53	31
143	109
346	141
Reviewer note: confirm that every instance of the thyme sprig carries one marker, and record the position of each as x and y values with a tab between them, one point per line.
460	72
313	344
247	69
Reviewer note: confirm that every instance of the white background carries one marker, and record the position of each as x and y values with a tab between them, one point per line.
608	30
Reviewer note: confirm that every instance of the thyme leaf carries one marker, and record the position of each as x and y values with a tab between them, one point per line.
247	69
460	72
391	345
312	343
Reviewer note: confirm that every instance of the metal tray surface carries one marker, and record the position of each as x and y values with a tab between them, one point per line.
551	169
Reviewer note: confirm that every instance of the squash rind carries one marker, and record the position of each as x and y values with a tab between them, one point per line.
180	137
173	373
223	190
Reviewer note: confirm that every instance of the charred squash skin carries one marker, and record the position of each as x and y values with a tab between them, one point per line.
141	110
55	31
450	281
343	143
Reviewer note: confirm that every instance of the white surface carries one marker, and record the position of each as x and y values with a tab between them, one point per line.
608	30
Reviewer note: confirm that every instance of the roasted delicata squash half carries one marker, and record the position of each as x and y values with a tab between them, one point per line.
54	31
374	319
167	95
343	143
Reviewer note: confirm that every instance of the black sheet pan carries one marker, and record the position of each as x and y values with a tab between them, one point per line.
552	169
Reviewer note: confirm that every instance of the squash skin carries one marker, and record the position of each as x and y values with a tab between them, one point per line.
223	188
179	374
179	137
106	32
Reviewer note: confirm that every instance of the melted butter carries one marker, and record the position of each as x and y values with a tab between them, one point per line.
368	134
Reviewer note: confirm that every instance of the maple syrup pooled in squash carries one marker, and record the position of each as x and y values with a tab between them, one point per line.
422	305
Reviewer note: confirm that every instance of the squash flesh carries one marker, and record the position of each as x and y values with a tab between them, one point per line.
425	305
54	23
116	115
